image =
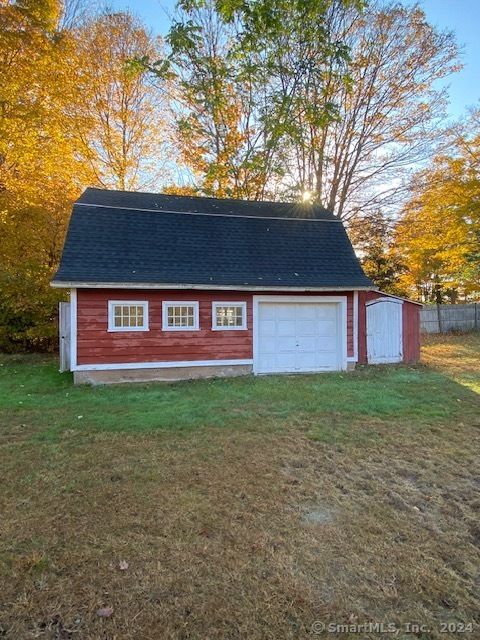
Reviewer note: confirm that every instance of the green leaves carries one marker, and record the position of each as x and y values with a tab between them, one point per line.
250	75
183	36
161	68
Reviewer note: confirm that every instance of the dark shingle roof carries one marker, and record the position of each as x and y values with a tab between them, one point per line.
116	237
212	206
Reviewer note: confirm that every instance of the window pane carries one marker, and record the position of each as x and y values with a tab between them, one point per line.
180	316
229	316
127	316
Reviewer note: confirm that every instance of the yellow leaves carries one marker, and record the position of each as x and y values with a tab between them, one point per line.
437	231
122	113
180	190
70	116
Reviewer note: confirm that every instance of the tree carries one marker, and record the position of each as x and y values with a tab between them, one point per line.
278	98
67	119
439	232
373	239
389	113
213	107
39	169
242	72
123	143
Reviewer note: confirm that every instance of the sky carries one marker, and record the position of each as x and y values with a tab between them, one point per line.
459	16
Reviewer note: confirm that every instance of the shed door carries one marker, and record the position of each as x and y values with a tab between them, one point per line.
298	337
64	335
384	331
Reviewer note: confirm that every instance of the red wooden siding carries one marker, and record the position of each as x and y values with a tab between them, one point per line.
363	298
411	327
96	345
411	332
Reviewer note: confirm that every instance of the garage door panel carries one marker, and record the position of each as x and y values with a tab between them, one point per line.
307	344
267	363
286	327
285	361
327	328
305	311
269	345
326	311
307	361
307	327
326	360
267	328
285	312
286	344
325	343
296	337
267	311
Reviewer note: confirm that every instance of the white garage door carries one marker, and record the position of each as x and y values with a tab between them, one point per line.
298	337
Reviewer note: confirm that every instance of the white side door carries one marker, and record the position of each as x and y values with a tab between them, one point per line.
64	335
384	331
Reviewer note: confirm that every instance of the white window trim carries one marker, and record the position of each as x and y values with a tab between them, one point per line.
240	305
180	303
129	303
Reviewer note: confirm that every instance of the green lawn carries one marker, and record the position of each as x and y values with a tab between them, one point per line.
245	508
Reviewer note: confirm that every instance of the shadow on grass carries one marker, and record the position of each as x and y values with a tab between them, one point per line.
42	403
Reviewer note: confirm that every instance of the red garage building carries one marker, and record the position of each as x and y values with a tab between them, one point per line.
170	287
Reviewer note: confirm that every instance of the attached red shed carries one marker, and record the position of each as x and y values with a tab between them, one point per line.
166	287
388	328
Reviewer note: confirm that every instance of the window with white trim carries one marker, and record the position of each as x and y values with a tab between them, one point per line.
180	316
127	315
229	315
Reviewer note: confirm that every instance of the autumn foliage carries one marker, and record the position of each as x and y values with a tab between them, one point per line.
439	232
71	115
254	100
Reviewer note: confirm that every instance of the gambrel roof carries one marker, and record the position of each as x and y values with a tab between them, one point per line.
141	239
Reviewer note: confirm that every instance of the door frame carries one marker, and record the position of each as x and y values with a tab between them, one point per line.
341	301
372	303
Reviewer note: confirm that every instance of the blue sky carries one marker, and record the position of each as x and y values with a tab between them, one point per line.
460	16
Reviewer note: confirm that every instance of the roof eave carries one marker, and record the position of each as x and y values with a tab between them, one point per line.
64	284
391	295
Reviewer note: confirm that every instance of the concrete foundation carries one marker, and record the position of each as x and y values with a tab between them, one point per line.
170	374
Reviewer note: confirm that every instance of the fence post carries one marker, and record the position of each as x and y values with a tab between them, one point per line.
475	324
439	319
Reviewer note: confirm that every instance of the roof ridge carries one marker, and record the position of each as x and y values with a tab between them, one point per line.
203	213
214	198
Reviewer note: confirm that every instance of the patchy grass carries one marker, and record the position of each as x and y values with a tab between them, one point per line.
245	508
458	356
